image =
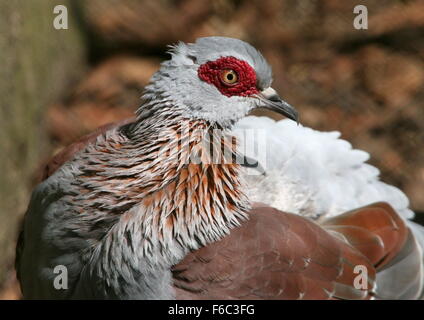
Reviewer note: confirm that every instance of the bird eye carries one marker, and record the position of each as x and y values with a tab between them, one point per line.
229	77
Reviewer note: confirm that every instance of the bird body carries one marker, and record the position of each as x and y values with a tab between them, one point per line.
142	209
143	191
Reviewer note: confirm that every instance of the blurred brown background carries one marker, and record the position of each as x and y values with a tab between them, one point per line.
56	85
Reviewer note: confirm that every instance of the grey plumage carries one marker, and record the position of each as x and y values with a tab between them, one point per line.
130	205
104	213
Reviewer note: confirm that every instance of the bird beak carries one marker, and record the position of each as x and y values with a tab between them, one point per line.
270	99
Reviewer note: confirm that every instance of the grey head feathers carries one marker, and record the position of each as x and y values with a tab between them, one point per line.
178	88
212	48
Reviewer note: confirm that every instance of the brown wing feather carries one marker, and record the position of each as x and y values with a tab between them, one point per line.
274	255
375	230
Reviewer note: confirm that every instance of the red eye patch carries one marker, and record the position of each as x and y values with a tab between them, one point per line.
211	72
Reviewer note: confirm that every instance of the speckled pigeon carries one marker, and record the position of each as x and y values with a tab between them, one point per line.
140	209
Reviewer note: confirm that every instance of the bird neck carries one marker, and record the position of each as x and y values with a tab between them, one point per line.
197	197
169	183
173	185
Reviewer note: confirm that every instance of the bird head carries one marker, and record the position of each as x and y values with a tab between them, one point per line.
217	79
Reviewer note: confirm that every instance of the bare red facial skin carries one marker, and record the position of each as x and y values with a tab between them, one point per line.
211	71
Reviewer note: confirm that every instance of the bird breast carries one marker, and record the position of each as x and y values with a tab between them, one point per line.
182	182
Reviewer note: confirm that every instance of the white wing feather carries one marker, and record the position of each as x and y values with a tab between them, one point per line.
314	173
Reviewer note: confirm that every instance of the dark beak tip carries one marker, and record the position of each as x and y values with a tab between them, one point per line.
273	102
288	111
296	116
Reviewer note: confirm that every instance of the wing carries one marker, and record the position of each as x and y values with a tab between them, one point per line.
276	255
307	169
51	167
399	262
67	153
